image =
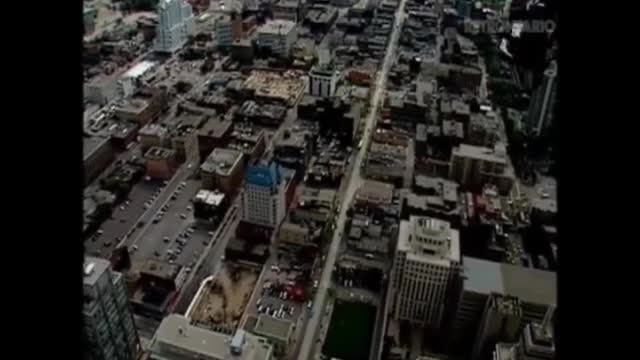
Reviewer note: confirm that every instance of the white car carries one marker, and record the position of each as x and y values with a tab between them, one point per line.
183	216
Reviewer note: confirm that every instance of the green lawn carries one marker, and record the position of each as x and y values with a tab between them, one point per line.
350	331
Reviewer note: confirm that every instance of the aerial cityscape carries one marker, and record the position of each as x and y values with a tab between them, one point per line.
320	179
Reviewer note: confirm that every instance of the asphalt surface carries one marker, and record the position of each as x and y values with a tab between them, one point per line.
123	220
354	183
172	224
210	260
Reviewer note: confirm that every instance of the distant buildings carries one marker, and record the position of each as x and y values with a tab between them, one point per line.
263	198
474	166
427	262
278	36
292	10
542	104
108	323
175	23
179	338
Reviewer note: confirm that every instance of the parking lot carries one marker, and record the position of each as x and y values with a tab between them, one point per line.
122	221
273	296
174	235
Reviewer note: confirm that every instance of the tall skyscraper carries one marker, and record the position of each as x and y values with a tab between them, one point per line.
109	328
175	23
263	198
427	263
536	343
501	322
540	113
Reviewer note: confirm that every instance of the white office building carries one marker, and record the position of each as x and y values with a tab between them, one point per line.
278	36
427	262
108	321
175	24
263	198
323	81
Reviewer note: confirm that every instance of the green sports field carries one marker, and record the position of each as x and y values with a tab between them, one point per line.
350	331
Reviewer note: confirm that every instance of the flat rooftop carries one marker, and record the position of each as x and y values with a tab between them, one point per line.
160	269
139	69
270	84
274	328
177	332
277	27
208	197
90	144
528	284
376	191
419	227
215	127
221	161
158	153
94	268
154	129
479	153
133	105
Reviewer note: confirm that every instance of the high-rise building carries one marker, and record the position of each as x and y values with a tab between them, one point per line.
484	301
536	343
263	198
427	263
542	103
224	31
175	23
278	36
501	322
109	328
322	81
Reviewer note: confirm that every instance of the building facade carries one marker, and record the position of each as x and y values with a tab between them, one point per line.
175	24
475	166
224	32
263	198
278	36
427	262
109	328
540	114
160	163
323	81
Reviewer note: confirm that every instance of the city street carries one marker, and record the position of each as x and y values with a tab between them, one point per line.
354	183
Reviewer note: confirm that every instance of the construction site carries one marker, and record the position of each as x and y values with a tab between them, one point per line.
222	300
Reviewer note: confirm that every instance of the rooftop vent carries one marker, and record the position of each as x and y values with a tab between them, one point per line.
89	269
